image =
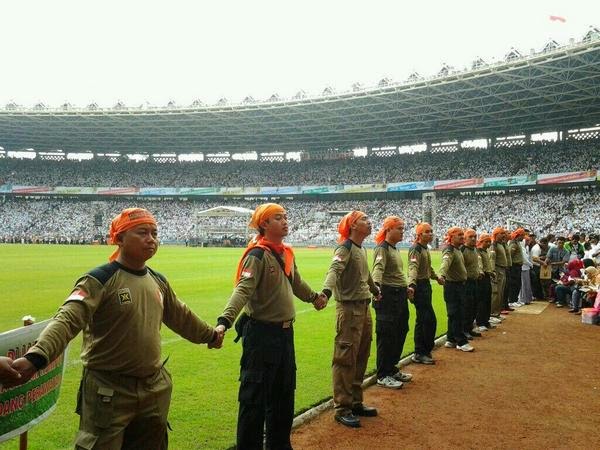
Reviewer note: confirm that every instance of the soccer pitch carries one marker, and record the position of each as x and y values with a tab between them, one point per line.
35	279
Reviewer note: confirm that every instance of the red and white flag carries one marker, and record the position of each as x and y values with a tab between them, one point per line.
558	19
77	294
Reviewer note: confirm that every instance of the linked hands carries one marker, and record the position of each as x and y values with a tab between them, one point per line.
321	301
14	373
218	342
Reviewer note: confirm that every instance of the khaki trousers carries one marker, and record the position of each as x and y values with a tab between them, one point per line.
354	332
498	287
123	412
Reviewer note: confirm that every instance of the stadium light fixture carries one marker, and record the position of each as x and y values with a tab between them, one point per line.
248	100
592	35
92	106
222	101
513	54
197	103
119	105
384	82
550	46
414	77
300	95
274	98
11	106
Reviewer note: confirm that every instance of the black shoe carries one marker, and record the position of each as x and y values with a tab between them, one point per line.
348	419
475	333
365	411
422	359
468	336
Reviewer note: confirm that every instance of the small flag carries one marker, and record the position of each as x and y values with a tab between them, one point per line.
337	258
246	274
558	19
78	294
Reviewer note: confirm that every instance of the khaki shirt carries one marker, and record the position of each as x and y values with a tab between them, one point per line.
387	266
486	263
120	312
472	262
264	291
516	255
453	265
419	265
498	254
348	277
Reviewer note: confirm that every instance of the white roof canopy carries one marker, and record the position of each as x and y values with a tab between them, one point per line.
225	211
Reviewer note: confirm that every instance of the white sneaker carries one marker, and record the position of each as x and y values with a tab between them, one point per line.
450	344
481	328
520	303
491	325
389	382
402	376
495	320
465	348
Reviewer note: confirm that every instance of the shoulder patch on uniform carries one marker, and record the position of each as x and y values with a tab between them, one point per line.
257	252
158	275
105	272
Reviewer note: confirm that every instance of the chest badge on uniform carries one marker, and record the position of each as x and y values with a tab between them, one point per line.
124	296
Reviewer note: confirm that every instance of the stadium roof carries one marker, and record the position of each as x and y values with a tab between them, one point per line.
556	89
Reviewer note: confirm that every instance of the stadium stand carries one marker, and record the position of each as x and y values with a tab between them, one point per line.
545	157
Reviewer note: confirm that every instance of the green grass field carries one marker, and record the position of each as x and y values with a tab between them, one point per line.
35	279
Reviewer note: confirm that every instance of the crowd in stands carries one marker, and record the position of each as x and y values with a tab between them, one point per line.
314	222
537	158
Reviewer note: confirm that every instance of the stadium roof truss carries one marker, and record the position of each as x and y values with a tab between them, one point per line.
554	90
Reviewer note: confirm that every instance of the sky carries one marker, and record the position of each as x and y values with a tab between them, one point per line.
153	52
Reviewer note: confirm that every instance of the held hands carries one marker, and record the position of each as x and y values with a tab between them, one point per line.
14	373
218	342
410	293
441	280
321	301
377	296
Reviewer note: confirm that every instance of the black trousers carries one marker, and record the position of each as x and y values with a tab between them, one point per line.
391	328
426	322
506	292
536	283
515	283
483	294
454	296
470	305
268	382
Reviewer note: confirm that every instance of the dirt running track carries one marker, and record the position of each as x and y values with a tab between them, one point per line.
532	383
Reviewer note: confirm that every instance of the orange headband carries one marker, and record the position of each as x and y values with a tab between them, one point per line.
451	233
497	231
346	223
128	219
421	228
264	212
519	232
389	223
483	238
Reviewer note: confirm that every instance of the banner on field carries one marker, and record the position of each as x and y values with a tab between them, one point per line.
568	177
74	190
6	188
31	189
521	180
274	190
374	187
410	186
24	406
459	184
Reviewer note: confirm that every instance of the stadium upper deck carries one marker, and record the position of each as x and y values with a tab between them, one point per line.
555	89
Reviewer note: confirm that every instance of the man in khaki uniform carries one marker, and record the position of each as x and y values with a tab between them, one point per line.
516	256
454	274
474	273
499	263
484	286
391	312
419	274
349	280
267	281
125	391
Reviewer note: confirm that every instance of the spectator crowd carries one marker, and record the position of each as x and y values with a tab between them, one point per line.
538	158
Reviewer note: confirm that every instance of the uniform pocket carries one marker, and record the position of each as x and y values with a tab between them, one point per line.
251	387
103	413
343	353
85	440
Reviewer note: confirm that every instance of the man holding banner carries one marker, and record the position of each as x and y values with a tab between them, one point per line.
8	375
125	391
